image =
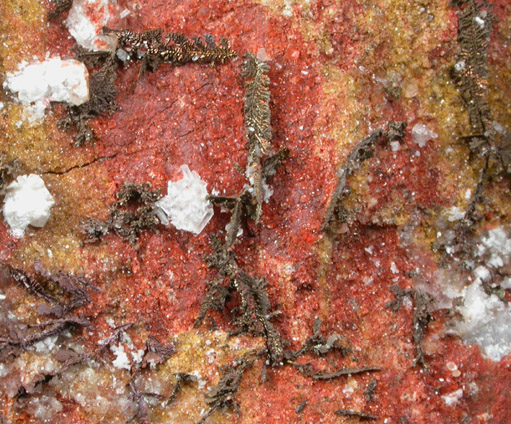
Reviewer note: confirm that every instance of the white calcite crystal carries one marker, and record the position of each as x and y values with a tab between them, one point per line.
27	202
87	18
451	399
186	204
486	321
121	360
455	214
497	245
395	146
422	134
53	80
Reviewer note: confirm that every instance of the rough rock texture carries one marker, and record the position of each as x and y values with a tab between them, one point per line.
104	332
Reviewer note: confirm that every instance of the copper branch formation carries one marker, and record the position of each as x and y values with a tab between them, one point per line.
362	151
475	24
257	123
154	48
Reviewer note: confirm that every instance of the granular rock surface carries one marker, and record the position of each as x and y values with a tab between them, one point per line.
373	286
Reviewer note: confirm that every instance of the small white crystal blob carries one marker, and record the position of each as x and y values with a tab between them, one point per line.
186	203
86	19
422	134
27	202
53	80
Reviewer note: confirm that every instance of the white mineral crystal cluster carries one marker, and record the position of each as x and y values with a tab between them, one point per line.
86	19
422	134
53	80
27	202
186	204
486	319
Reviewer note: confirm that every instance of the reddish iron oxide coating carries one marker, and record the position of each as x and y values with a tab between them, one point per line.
194	115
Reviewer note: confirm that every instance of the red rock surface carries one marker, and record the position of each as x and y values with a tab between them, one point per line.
333	67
